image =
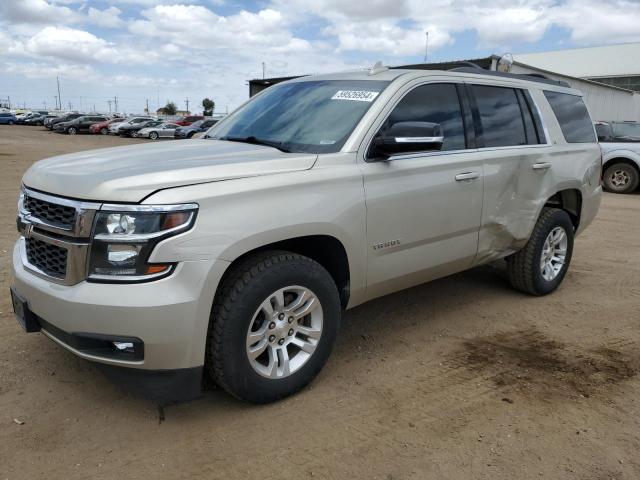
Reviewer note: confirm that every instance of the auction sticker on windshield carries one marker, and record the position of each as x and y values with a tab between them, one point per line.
355	95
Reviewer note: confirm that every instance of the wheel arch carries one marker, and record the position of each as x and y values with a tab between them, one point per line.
621	159
569	200
327	250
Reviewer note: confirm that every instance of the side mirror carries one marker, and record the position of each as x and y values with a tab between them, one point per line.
408	137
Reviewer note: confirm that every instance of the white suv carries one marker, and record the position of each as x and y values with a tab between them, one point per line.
233	256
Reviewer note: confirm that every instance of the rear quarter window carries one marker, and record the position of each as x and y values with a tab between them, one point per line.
572	116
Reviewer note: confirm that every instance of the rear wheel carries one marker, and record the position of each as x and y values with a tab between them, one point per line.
72	130
621	178
104	131
540	267
273	326
190	134
153	135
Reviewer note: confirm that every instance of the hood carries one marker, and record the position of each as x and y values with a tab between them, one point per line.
130	173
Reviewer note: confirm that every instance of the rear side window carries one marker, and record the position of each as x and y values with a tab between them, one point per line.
502	120
436	103
572	116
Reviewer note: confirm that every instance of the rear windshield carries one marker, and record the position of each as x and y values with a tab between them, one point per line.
572	116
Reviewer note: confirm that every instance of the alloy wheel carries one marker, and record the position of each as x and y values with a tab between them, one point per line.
554	253
284	332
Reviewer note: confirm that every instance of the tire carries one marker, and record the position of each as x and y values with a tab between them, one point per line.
153	135
237	310
190	134
621	178
525	268
72	131
104	131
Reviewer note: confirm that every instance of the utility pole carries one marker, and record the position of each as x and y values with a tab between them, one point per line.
426	47
115	103
263	69
147	109
158	92
59	97
186	100
109	103
70	106
56	97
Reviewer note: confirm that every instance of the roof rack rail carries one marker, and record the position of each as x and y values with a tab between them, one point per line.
532	77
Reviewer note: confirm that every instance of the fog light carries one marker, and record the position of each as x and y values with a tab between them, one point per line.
122	254
124	346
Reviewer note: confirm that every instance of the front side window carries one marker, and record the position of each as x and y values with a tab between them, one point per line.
572	116
604	132
435	103
500	116
307	116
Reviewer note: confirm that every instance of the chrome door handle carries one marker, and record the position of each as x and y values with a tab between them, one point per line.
461	177
541	166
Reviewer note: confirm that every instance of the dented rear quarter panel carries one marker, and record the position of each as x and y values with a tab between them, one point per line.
515	193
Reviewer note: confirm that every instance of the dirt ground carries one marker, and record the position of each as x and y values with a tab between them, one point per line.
462	378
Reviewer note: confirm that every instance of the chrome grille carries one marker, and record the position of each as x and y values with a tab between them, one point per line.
48	258
55	234
62	216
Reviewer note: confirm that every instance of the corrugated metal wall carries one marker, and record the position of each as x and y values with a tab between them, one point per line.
604	103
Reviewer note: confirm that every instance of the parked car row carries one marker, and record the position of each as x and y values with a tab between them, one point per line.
138	126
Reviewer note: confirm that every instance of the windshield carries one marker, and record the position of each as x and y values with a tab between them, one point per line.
309	116
630	129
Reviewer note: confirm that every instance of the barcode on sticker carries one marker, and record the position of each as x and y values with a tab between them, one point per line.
355	95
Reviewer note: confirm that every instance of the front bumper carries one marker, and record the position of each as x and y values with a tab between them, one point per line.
169	316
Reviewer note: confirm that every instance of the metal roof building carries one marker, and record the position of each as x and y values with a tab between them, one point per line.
617	65
604	101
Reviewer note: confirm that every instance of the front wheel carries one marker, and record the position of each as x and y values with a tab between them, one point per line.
273	325
104	131
153	135
72	131
540	267
621	178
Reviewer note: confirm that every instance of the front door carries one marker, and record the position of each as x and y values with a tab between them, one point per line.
423	209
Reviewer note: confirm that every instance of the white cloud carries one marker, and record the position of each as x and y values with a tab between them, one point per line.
198	28
109	17
81	47
594	22
38	70
36	11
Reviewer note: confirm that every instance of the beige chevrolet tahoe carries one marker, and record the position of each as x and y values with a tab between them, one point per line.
233	256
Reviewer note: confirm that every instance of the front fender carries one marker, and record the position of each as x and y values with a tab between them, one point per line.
241	215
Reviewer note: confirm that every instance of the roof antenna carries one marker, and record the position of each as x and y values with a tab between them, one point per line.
378	68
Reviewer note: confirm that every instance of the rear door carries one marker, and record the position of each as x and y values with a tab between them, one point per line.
517	163
423	209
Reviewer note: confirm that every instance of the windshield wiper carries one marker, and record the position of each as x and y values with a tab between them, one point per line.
257	141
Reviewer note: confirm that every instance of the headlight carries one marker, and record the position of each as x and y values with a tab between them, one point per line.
125	235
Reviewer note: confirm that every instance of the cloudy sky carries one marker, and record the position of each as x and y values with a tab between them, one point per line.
159	50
